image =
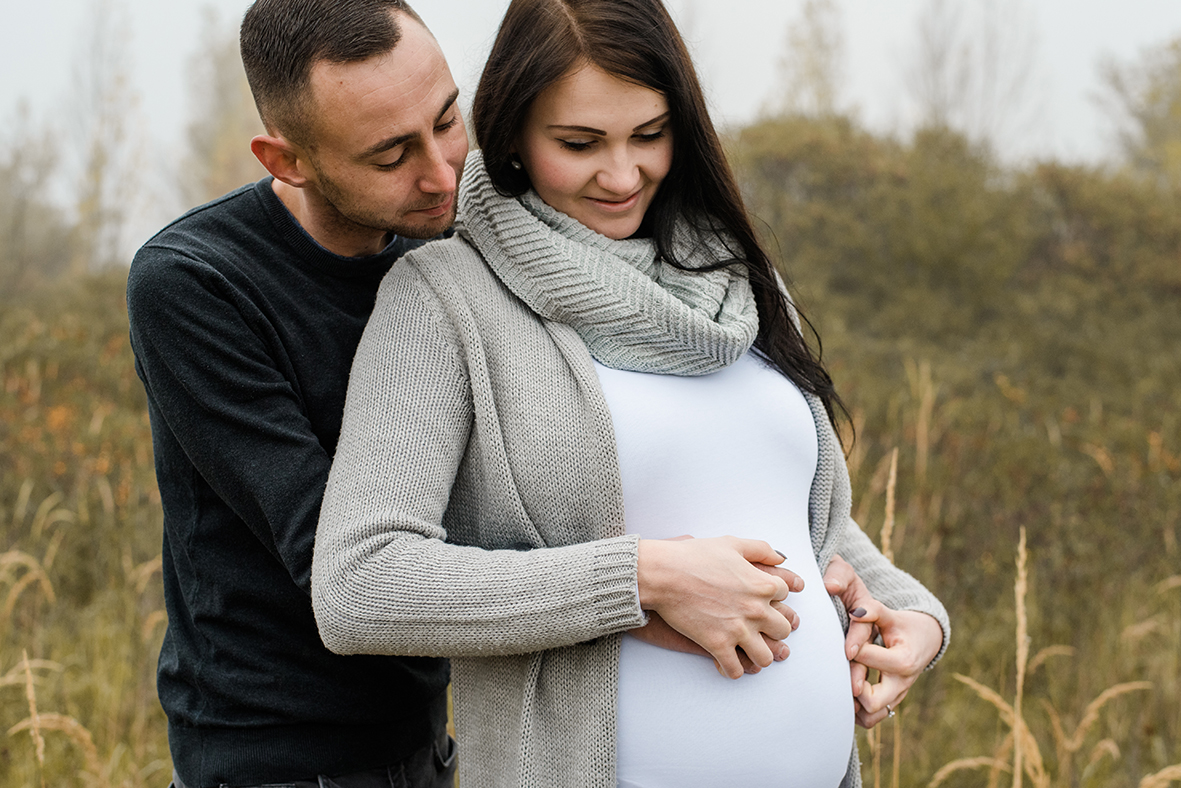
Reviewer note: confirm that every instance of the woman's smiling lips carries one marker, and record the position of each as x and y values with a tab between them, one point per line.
616	206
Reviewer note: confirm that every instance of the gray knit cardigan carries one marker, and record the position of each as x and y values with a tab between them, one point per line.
474	511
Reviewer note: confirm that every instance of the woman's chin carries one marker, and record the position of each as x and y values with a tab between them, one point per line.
615	228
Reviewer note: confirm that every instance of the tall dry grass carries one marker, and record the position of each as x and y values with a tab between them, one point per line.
959	458
82	608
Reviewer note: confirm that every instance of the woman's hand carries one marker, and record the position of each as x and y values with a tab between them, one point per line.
910	640
710	591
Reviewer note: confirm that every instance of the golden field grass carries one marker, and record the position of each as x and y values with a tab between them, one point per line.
1011	356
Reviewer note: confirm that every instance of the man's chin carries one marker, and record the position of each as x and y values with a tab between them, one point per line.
426	227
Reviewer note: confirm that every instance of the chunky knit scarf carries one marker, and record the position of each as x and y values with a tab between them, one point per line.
633	310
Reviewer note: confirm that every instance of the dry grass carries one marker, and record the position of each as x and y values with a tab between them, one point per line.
1026	752
80	585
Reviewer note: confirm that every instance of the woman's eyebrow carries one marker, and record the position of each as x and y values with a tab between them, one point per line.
587	129
658	119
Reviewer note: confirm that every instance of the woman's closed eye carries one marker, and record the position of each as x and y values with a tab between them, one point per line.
577	144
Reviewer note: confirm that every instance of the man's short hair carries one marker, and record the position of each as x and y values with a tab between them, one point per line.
282	40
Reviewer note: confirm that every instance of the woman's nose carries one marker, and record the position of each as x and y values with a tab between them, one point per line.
619	176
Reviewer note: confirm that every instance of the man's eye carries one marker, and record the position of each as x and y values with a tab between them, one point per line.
393	165
448	125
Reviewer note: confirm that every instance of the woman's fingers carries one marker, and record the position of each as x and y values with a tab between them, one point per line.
841	581
787	613
709	591
867	720
795	583
887	692
857	675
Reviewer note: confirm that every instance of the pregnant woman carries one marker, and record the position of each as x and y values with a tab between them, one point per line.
601	360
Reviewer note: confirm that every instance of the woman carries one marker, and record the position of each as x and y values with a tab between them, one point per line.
603	335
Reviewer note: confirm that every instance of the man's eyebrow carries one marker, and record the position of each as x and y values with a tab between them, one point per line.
392	142
587	129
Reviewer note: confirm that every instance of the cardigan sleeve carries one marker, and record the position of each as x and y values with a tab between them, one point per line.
893	587
384	577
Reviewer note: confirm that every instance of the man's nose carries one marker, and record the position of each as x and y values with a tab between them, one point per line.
438	176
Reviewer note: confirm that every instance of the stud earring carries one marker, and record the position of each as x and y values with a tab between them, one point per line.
515	164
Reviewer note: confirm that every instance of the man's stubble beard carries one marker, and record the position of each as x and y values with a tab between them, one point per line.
352	216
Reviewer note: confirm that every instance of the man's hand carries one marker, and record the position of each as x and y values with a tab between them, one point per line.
657	632
709	591
910	641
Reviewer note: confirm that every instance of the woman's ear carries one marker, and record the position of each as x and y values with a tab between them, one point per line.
280	158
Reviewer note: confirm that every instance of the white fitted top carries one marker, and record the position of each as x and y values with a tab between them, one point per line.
733	452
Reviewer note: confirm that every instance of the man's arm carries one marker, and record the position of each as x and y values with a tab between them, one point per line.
207	362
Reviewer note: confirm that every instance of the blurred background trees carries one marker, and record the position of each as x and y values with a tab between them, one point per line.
224	118
1145	98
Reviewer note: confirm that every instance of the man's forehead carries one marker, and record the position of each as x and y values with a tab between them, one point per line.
401	88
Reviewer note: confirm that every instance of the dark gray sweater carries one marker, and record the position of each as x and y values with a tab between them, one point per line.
244	330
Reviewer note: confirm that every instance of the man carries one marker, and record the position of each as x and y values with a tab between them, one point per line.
245	314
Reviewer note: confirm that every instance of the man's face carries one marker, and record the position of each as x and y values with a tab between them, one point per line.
388	139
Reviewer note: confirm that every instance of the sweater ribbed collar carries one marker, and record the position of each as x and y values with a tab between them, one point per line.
633	310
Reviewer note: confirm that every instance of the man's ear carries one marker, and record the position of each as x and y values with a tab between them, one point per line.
280	158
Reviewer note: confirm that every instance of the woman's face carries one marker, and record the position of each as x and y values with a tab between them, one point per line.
596	148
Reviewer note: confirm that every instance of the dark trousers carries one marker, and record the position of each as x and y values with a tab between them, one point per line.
431	767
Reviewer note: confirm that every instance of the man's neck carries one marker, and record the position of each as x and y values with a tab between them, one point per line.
325	224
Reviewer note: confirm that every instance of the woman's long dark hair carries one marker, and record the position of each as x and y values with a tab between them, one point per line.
540	41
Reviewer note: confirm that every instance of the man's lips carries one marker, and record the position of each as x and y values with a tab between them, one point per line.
616	206
437	210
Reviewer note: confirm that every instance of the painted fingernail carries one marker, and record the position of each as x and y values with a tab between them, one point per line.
781	555
858	613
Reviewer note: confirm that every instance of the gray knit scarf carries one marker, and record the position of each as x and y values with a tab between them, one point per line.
633	310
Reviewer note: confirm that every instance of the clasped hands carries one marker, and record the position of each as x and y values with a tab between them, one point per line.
725	598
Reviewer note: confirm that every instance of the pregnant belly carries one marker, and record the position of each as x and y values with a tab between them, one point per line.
682	725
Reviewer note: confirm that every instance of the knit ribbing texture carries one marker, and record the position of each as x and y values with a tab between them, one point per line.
633	309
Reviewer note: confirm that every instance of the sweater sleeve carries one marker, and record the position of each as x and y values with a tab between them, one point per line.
893	587
216	389
384	578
